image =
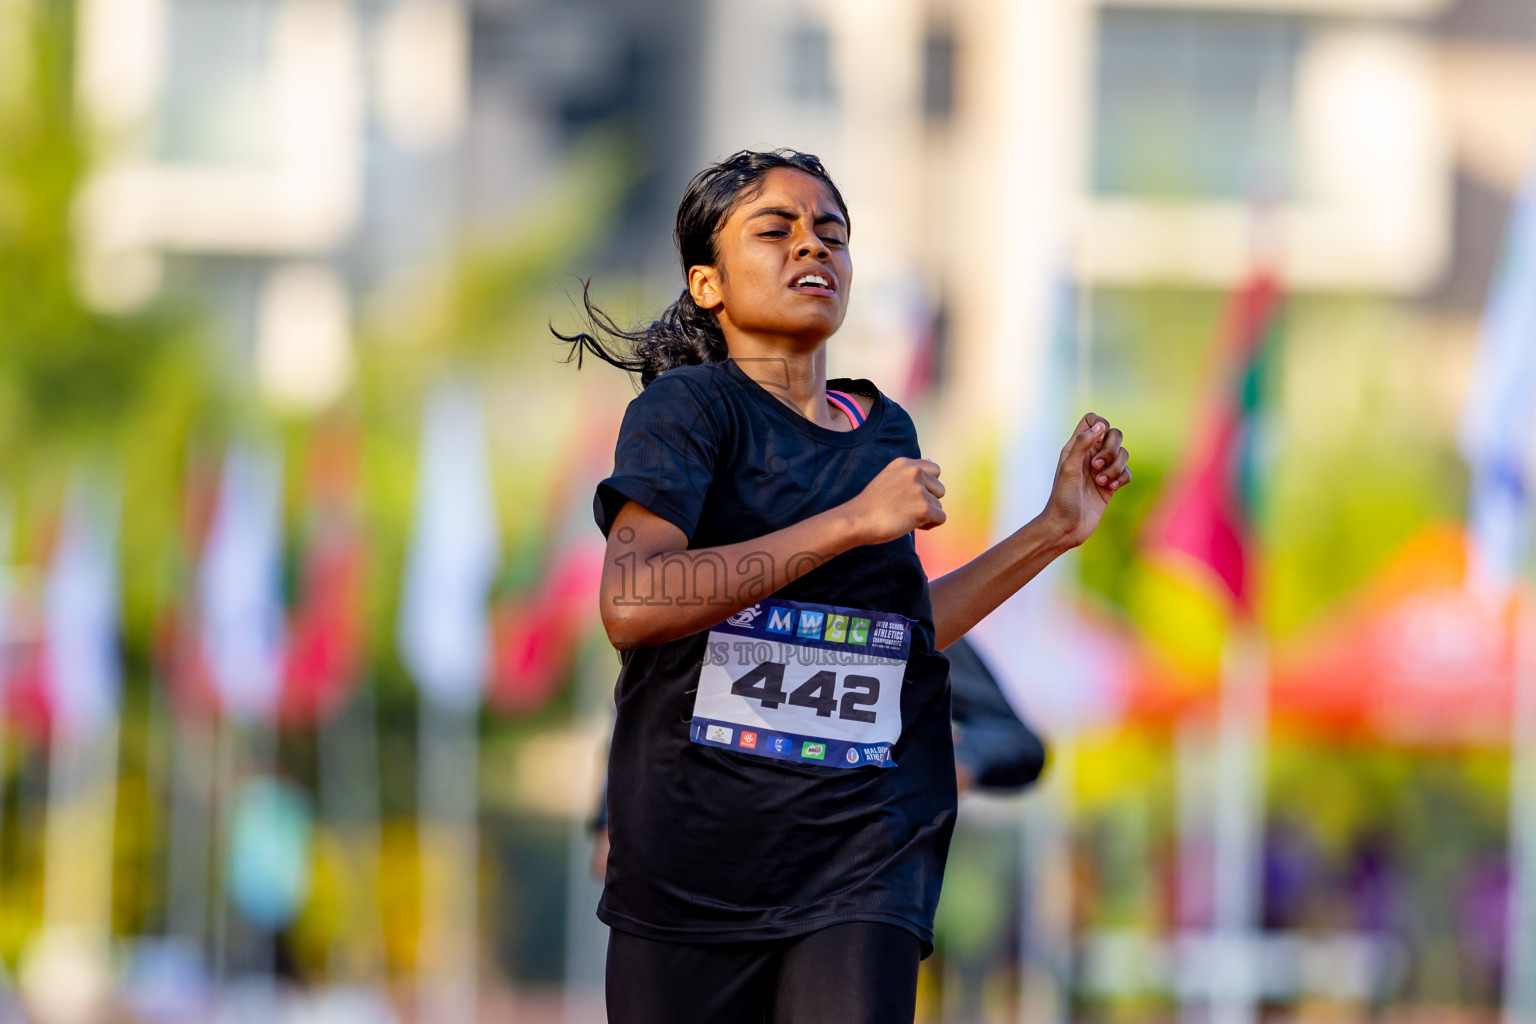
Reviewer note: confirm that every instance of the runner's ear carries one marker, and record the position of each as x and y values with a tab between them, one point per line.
704	286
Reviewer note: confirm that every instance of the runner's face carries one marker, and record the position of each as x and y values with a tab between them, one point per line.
783	267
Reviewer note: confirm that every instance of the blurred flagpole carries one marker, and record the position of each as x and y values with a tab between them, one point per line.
349	795
1022	640
84	673
187	862
1241	746
242	639
445	642
190	761
1203	522
326	659
1497	441
325	682
1520	939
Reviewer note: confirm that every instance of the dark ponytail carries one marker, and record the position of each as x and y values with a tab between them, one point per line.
684	334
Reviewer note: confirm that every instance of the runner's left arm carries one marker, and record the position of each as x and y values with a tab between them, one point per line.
1091	468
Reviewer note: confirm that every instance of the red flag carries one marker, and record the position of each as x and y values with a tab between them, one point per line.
537	629
178	648
325	630
536	633
1205	516
26	707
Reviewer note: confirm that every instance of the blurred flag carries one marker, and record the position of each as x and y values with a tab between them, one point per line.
929	328
83	672
177	650
325	635
1205	516
538	623
1500	411
7	602
1495	438
443	632
80	610
1062	671
240	586
538	631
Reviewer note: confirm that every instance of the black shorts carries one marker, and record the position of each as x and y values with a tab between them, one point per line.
857	973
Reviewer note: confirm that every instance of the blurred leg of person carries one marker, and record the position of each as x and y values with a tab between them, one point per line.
857	973
653	982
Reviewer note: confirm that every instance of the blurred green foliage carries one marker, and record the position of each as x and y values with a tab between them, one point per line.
81	392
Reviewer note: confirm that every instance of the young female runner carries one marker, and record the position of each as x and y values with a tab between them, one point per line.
782	774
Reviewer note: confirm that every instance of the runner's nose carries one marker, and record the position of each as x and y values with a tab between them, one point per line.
811	246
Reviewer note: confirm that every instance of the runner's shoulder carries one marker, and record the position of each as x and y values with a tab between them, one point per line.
696	378
687	393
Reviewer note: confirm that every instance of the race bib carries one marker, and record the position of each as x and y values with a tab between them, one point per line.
804	682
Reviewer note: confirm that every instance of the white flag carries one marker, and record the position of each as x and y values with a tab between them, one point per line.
1500	411
81	607
443	632
240	585
1054	672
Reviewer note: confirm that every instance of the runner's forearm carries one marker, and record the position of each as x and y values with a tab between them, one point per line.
970	593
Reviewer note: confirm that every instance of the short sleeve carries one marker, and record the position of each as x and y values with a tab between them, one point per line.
998	749
665	457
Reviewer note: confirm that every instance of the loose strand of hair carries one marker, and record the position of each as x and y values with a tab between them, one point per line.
683	335
589	341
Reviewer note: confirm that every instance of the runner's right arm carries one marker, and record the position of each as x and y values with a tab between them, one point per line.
656	589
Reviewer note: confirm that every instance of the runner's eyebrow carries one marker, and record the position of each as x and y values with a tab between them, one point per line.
779	211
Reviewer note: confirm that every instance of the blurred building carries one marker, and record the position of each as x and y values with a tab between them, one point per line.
286	162
294	158
991	148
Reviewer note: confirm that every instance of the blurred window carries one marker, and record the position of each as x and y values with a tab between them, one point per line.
939	72
1194	103
579	62
216	105
810	64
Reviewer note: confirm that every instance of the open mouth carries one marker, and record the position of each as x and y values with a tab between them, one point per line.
815	283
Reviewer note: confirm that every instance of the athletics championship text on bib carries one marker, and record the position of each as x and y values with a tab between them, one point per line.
804	682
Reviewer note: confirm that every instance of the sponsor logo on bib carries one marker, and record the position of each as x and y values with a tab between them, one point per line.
890	635
811	683
810	624
745	616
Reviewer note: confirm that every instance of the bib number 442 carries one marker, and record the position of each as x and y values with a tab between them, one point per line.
765	683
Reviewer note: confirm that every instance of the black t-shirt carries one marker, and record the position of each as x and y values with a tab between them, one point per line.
712	845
